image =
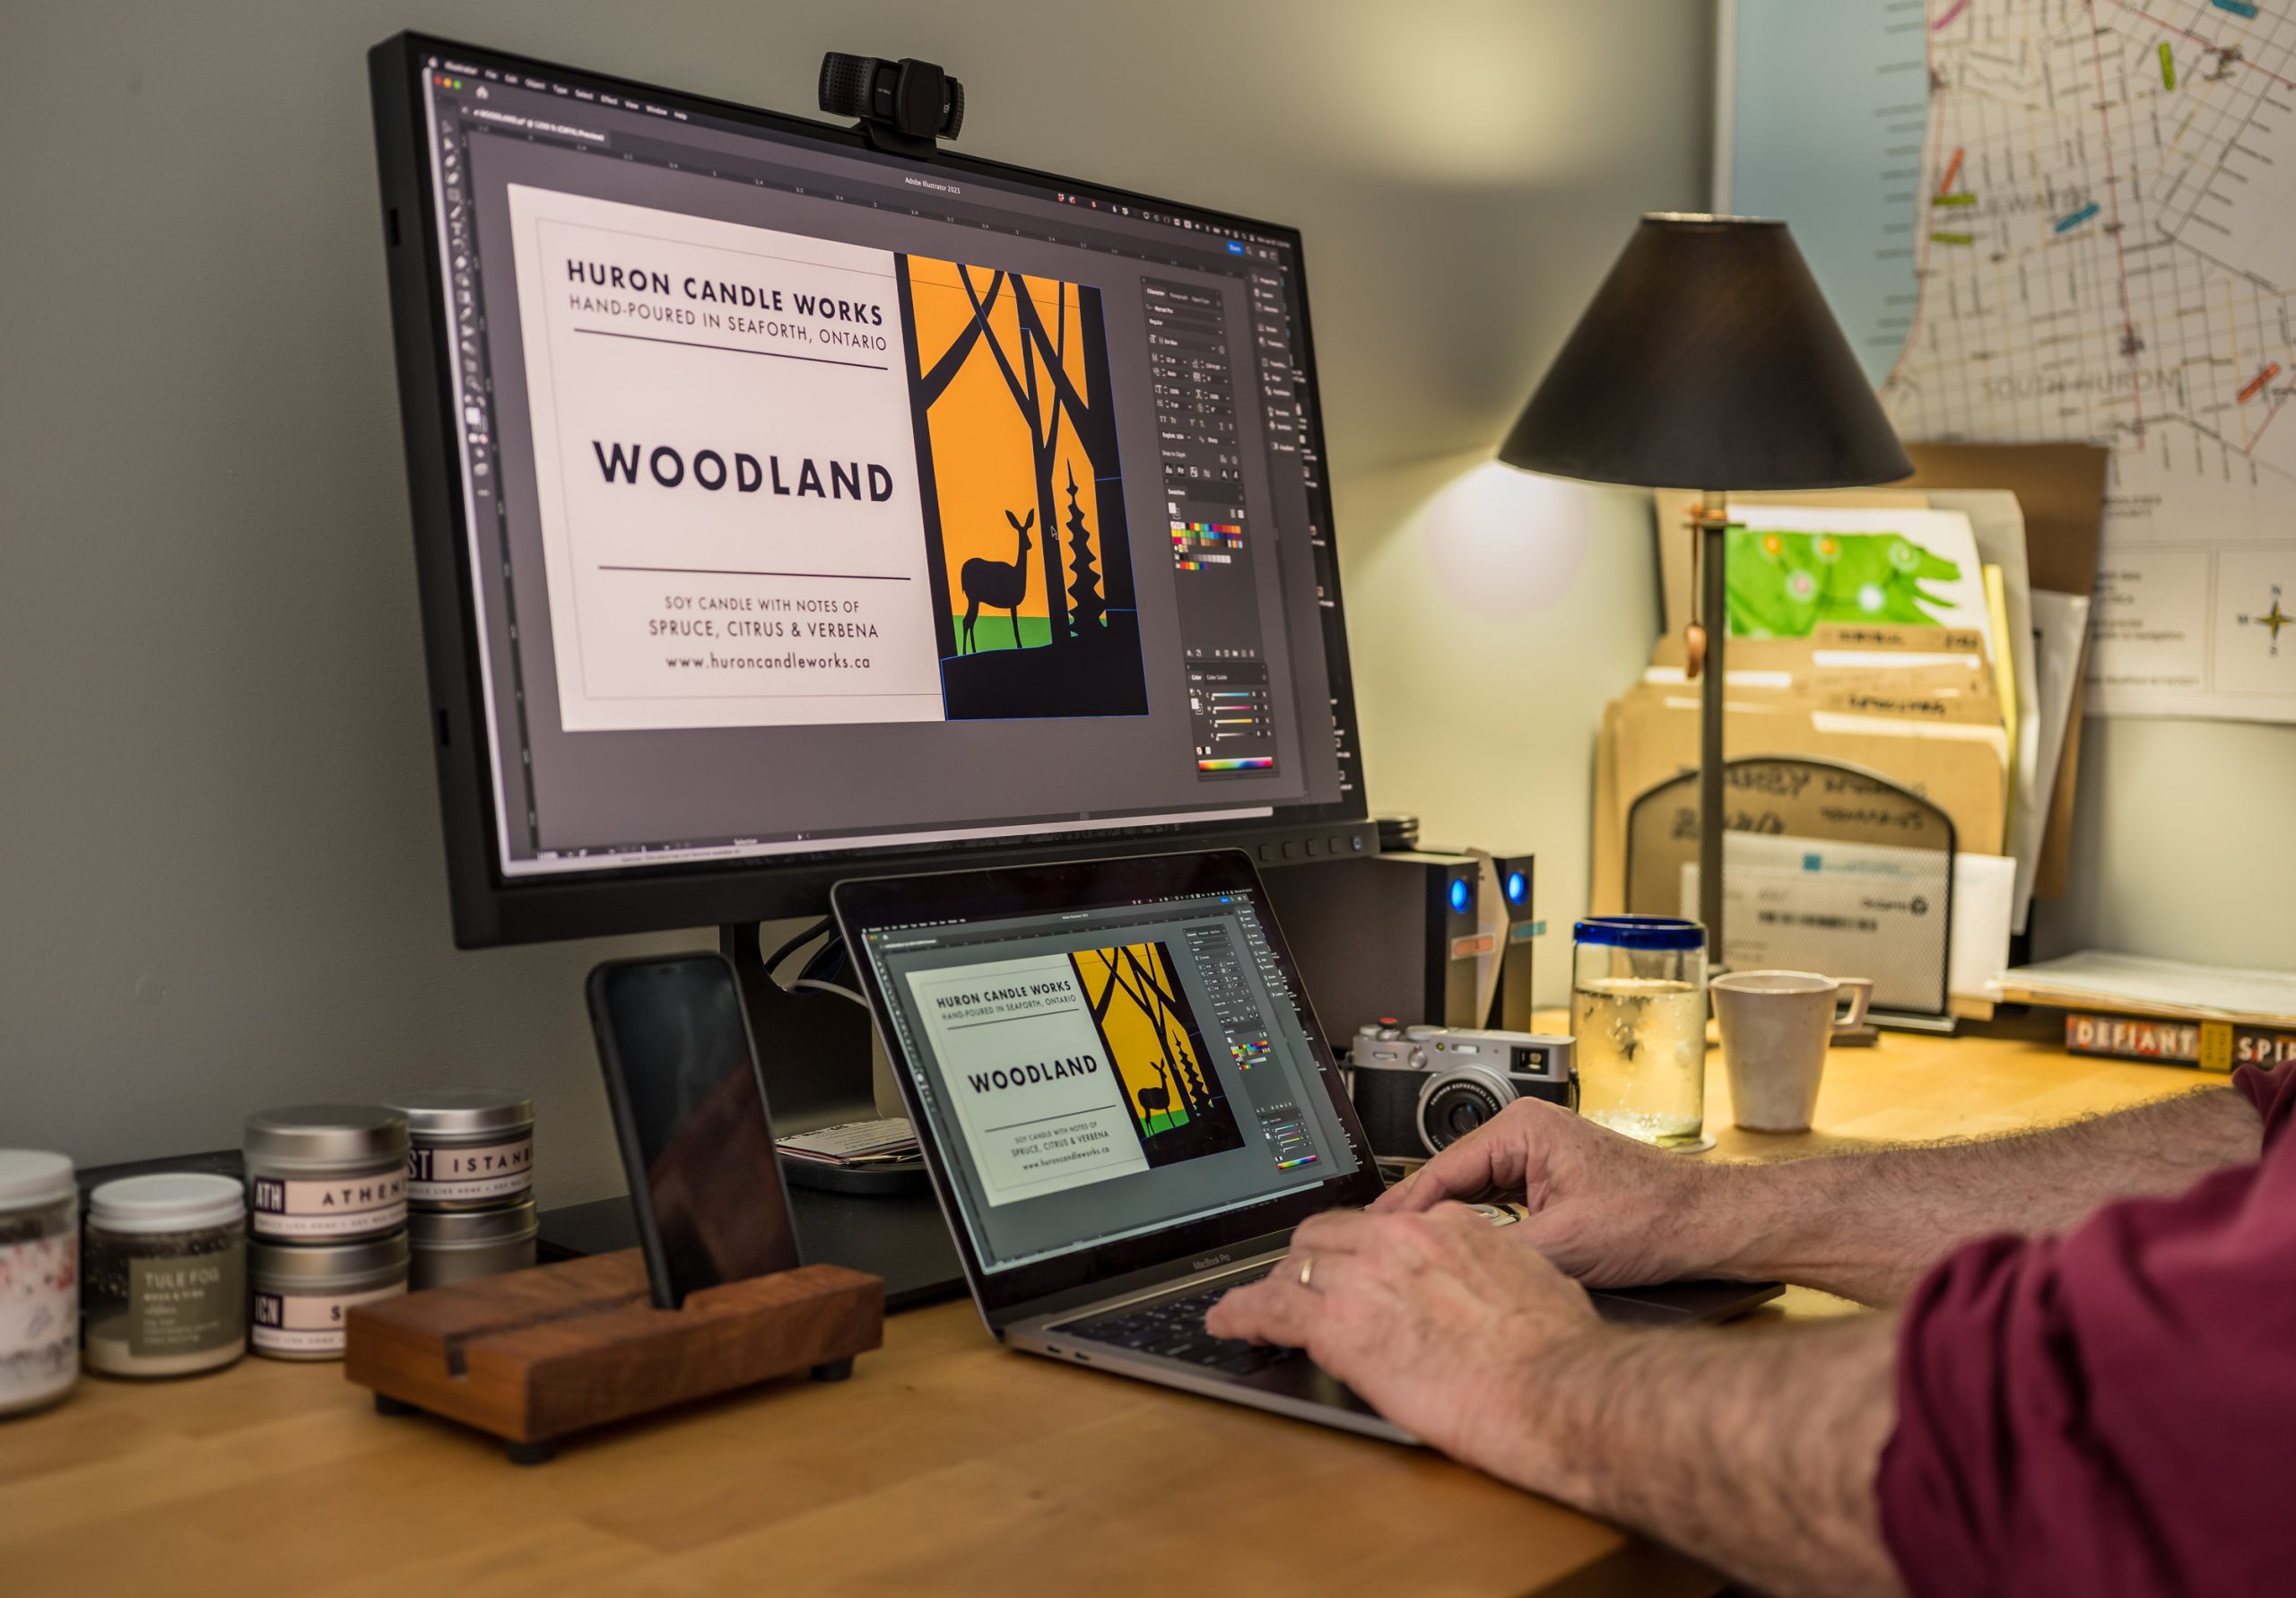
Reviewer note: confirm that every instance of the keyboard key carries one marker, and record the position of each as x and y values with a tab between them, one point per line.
1173	1329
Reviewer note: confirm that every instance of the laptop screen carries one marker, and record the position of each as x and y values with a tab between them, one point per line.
1093	1073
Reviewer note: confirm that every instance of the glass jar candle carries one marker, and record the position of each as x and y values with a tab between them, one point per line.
467	1148
1637	1009
167	1285
39	1279
325	1172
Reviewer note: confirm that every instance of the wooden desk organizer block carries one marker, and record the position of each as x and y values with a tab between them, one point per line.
534	1355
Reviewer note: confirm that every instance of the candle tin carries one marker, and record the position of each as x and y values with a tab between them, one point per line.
325	1172
467	1148
451	1245
303	1291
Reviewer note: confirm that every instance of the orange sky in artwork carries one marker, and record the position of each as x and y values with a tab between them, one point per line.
981	462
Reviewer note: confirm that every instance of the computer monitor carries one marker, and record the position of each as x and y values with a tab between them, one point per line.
787	510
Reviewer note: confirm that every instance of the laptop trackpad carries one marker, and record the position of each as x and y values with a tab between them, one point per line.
1305	1379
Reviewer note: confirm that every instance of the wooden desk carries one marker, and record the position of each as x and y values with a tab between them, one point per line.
946	1466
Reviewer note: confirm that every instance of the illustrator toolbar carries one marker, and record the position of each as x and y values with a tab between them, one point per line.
1215	530
1193	372
1284	1129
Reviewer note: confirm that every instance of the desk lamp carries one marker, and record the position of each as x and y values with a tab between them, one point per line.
1707	360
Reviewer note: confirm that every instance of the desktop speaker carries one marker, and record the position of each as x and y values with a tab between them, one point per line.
1385	937
1510	1000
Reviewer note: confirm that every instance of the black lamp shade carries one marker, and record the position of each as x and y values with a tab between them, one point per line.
1708	359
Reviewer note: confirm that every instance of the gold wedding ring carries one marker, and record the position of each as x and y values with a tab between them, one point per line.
1307	1271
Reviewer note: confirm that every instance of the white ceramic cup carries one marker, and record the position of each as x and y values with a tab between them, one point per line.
1775	1028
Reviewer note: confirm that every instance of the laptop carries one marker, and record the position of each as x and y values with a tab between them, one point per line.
1126	1105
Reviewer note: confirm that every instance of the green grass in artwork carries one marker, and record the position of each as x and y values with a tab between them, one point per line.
1782	585
993	630
1162	1120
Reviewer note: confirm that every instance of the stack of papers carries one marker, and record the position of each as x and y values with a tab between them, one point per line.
856	1143
1838	922
2097	978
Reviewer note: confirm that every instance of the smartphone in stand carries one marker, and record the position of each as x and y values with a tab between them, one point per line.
689	1113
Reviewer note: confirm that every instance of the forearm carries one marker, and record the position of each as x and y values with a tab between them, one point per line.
1870	1226
1754	1451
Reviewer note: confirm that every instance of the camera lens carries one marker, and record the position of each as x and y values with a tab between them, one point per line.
1457	1102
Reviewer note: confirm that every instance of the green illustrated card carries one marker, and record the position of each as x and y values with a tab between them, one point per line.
1793	570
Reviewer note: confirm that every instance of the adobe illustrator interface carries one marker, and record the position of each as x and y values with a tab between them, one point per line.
1092	1078
820	501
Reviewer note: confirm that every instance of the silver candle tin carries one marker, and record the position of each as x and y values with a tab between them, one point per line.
451	1245
467	1148
325	1172
303	1291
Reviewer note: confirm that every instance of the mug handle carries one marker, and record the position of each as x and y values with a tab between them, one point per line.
1860	990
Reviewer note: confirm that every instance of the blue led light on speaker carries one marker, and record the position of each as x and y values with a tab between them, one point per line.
1515	887
1461	896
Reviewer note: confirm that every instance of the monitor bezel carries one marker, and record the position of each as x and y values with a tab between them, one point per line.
490	907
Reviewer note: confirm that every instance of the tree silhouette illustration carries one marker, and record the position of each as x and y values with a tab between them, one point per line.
1086	589
1149	987
1042	390
1113	969
1041	407
1093	418
1154	996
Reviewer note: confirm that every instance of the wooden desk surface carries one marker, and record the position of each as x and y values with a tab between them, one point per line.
946	1466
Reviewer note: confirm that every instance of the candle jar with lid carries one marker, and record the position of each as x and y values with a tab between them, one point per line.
39	1279
166	1286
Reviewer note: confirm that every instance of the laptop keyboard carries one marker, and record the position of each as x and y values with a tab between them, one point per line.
1174	1328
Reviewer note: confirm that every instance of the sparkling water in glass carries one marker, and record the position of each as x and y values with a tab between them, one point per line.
1637	1009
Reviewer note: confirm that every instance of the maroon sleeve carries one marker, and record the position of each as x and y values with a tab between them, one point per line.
2113	1410
2274	1093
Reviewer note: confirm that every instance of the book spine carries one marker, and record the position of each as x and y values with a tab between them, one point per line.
2209	1045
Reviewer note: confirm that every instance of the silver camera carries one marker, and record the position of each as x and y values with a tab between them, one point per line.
1419	1089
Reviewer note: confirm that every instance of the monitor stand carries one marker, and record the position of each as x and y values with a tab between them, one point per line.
814	1056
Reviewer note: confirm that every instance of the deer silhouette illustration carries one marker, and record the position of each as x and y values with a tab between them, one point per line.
1155	1102
997	584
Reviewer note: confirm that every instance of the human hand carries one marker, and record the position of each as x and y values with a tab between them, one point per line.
1608	1210
1440	1322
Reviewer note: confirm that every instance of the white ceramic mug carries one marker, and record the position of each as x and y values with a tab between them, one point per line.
1775	1028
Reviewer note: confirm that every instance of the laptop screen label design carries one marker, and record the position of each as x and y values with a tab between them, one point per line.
1038	1101
1068	1069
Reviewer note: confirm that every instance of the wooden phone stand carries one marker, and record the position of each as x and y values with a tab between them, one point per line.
534	1356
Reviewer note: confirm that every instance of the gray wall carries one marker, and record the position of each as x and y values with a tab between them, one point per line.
2182	845
220	870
